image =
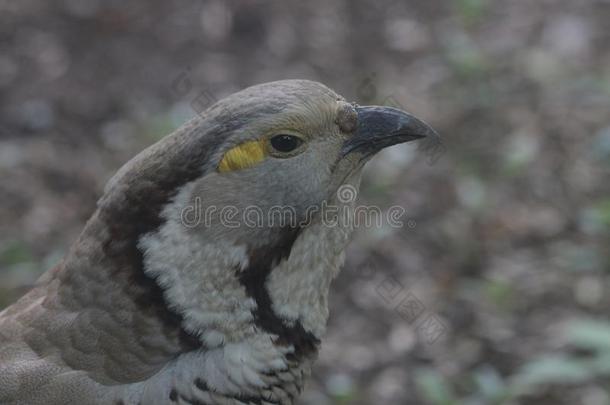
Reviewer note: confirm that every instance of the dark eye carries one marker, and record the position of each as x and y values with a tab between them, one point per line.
285	143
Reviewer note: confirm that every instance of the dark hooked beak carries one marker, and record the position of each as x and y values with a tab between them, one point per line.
380	127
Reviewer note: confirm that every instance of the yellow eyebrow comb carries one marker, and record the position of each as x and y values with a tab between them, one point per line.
242	156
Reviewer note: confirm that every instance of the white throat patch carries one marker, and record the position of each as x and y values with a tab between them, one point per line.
199	276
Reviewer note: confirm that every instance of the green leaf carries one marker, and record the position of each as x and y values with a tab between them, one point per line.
553	370
490	384
601	364
472	11
433	388
589	334
603	210
500	293
15	252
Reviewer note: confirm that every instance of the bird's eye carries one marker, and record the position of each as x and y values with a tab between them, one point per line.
285	143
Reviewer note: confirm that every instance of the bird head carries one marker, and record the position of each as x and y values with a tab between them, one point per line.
202	207
286	148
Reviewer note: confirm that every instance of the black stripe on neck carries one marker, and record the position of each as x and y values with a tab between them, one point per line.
261	262
128	262
132	208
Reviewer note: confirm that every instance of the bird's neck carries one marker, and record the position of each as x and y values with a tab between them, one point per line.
228	292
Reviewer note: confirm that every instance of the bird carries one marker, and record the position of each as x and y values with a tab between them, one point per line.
182	288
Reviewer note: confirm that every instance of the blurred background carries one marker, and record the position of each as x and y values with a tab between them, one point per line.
494	290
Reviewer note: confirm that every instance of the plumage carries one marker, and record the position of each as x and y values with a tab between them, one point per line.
149	308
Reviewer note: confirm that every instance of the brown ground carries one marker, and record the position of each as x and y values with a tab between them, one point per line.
505	238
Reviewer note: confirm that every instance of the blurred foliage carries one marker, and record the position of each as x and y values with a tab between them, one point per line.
510	217
472	11
15	252
561	368
434	388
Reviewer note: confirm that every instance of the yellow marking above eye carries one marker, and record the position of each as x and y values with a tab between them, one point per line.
242	156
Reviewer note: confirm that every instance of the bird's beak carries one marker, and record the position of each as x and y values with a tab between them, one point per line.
380	127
